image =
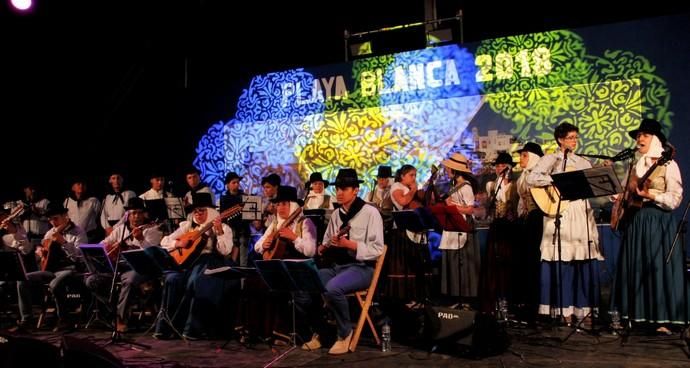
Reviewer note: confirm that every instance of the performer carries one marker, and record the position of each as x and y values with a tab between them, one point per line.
317	198
646	288
114	202
84	210
579	239
193	179
157	190
497	271
240	228
269	186
34	220
380	197
202	294
526	273
299	238
460	259
62	239
135	234
354	269
408	264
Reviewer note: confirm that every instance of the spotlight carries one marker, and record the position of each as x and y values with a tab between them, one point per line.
22	5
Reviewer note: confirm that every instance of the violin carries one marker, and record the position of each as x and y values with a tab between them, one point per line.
425	197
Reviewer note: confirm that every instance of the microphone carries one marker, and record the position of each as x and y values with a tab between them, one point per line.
624	154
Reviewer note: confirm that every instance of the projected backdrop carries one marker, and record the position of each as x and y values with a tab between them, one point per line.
418	107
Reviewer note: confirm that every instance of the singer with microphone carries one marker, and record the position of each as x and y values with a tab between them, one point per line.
570	241
502	209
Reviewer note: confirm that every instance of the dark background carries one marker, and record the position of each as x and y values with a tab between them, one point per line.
88	86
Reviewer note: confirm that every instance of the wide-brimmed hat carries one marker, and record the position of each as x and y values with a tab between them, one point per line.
314	177
272	179
135	203
457	161
232	176
532	147
385	172
287	193
649	126
55	208
504	158
347	178
200	200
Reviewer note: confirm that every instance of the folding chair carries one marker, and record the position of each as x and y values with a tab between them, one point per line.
365	297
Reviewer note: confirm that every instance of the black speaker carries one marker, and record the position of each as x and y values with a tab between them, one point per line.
79	353
465	332
19	351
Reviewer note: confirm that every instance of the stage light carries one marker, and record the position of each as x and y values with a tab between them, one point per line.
360	49
21	5
439	36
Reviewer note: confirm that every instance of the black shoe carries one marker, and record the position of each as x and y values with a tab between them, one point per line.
22	327
63	326
161	336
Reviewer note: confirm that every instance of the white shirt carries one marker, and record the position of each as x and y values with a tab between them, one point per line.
75	237
305	244
18	241
152	236
205	189
114	208
366	231
85	216
37	223
152	194
315	200
224	244
451	240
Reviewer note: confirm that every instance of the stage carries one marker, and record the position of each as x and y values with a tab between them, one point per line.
530	347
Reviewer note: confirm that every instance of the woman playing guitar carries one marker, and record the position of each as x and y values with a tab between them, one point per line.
648	287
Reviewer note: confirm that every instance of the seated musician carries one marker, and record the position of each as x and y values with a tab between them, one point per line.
353	267
59	260
317	197
136	233
299	240
202	294
13	239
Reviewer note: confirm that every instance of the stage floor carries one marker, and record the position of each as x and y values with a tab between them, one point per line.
528	348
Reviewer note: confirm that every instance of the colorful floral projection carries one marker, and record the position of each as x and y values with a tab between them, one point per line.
415	107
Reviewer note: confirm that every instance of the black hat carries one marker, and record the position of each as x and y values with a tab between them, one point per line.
649	126
532	147
504	158
200	200
272	179
314	177
232	176
55	208
347	178
287	193
135	203
385	172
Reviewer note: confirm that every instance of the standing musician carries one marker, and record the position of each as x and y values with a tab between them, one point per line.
202	294
157	190
193	179
59	258
34	220
579	239
380	196
497	271
240	228
134	233
317	198
527	261
269	186
84	210
646	288
299	240
114	203
354	269
460	255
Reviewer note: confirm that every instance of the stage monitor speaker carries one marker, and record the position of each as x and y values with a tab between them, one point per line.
466	332
20	351
79	353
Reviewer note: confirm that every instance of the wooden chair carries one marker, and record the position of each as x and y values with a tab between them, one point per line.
365	297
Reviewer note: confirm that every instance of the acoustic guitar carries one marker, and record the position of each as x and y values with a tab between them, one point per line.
54	255
546	199
629	202
196	239
278	245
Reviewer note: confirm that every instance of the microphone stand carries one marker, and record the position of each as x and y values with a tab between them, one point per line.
557	240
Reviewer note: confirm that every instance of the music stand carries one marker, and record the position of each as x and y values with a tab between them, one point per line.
175	208
290	275
153	261
96	258
576	185
251	207
12	266
410	220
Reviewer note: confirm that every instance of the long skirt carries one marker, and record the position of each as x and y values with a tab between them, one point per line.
646	288
460	269
496	274
408	268
576	293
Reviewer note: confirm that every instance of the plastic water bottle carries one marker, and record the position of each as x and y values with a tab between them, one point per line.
503	309
386	338
615	321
